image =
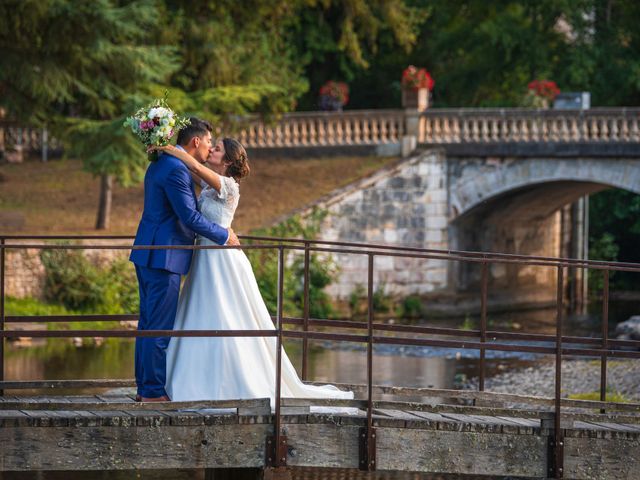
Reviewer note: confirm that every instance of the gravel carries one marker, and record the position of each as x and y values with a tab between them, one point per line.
578	376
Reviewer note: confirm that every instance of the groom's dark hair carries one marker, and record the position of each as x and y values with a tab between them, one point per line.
196	128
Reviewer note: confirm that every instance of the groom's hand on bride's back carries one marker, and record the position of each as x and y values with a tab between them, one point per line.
233	238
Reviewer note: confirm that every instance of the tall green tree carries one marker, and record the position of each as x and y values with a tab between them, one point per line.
80	66
483	54
614	235
341	39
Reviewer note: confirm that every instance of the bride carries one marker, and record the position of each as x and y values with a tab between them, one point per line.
221	293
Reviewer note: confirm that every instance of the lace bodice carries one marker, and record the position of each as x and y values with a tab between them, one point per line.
220	207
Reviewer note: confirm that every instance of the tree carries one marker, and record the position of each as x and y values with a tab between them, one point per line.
340	40
614	235
80	66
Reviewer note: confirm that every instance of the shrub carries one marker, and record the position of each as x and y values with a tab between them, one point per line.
71	280
322	269
77	284
410	307
382	302
358	301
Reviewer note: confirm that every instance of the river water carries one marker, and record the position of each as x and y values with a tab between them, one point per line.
346	363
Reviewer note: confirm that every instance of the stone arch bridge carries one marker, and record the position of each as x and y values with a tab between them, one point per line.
522	194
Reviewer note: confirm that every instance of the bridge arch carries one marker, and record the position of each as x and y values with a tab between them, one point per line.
529	206
474	183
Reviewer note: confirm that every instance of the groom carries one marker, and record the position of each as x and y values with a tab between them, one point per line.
170	217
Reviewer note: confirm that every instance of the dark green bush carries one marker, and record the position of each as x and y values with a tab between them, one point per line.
410	307
321	269
77	284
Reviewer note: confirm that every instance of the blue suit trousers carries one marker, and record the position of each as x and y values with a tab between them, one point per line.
159	290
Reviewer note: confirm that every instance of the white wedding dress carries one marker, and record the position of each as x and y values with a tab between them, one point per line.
221	293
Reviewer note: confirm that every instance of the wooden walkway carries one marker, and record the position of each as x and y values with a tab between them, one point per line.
107	432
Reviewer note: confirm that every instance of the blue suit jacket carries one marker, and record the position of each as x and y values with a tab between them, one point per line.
170	217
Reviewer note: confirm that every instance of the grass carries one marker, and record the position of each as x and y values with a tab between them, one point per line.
31	306
610	396
58	197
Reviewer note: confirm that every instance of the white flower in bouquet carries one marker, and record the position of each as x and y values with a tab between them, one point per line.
155	124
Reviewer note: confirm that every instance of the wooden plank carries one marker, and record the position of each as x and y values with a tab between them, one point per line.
115	398
416	450
133	448
611	426
55	384
260	406
329	441
32	403
190	418
323	402
525	426
410	420
486	397
434	420
149	418
39	418
13	418
601	458
114	418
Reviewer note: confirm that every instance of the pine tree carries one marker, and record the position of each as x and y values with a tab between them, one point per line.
81	66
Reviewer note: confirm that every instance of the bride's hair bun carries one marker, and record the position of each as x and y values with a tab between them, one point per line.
235	156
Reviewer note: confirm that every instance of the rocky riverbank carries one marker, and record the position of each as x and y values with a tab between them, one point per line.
578	376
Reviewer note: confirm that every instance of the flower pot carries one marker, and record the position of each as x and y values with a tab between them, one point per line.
415	99
330	104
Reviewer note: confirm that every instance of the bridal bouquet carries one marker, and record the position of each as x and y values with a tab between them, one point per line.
155	124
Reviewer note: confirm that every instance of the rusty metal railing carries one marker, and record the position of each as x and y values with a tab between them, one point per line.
372	332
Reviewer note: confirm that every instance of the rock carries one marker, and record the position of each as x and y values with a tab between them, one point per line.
629	329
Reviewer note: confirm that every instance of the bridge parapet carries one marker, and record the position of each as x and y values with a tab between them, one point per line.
380	127
527	125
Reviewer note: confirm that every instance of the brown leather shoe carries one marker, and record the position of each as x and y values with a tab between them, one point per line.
163	398
138	398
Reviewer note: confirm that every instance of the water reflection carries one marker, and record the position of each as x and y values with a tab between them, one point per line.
340	362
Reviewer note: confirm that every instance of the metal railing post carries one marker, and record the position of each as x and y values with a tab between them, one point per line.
556	443
279	440
305	340
368	434
483	322
605	337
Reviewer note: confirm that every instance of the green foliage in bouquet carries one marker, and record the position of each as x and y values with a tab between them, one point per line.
155	124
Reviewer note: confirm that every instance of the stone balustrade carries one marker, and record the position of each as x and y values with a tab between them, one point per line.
301	129
452	126
16	140
380	127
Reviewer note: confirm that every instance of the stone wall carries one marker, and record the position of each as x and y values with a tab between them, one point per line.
406	205
25	273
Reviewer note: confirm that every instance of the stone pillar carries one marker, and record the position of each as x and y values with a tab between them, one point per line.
412	131
578	277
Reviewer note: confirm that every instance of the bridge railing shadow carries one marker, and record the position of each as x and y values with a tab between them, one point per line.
370	332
